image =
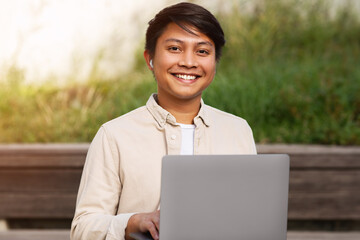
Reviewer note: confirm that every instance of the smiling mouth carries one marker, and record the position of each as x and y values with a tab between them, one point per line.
186	76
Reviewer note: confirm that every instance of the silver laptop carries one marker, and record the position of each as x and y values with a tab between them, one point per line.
224	197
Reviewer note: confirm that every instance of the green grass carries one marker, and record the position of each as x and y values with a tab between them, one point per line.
291	69
73	113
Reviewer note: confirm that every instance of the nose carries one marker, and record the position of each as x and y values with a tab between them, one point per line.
188	60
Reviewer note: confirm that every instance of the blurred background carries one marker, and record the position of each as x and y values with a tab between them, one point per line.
289	67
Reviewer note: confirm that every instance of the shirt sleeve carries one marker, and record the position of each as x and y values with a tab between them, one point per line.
251	140
99	194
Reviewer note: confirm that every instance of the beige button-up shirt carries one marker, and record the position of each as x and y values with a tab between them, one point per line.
122	172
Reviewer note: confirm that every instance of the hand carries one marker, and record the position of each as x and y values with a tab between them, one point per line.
143	222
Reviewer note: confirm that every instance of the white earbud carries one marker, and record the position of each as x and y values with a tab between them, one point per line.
151	64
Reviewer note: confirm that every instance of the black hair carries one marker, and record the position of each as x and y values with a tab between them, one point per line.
185	15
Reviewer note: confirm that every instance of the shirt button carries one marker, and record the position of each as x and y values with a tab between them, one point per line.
173	137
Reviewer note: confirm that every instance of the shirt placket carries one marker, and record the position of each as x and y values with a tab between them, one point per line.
173	139
201	139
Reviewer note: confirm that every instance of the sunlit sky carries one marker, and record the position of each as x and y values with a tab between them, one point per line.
62	38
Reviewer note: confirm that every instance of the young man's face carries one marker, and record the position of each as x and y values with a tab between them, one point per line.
183	64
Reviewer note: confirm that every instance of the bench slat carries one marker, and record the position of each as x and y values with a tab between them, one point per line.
312	156
39	180
37	205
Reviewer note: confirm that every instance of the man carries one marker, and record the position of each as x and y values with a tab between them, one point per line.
120	187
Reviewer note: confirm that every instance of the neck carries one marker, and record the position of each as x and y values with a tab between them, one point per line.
184	110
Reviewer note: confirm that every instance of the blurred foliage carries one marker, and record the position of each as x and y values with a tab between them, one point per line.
291	68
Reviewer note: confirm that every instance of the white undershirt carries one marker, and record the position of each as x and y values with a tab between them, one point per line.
187	139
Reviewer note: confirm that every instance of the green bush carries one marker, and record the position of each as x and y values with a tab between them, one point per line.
290	68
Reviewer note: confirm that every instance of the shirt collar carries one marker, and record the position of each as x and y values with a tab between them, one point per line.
162	116
203	115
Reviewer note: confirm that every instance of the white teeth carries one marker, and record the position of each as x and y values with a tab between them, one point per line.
186	77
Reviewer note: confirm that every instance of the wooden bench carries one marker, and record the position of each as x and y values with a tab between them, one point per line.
40	182
324	181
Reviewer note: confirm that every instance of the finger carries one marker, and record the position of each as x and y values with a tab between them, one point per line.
154	233
156	220
156	224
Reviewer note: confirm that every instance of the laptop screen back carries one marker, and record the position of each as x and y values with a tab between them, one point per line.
224	197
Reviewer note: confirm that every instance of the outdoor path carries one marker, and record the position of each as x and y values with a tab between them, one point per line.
64	235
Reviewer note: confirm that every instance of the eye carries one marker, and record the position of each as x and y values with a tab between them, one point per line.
203	52
174	49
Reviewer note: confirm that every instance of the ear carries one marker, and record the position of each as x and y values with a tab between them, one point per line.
147	59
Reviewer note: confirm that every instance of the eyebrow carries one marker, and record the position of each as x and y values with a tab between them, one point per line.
180	41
